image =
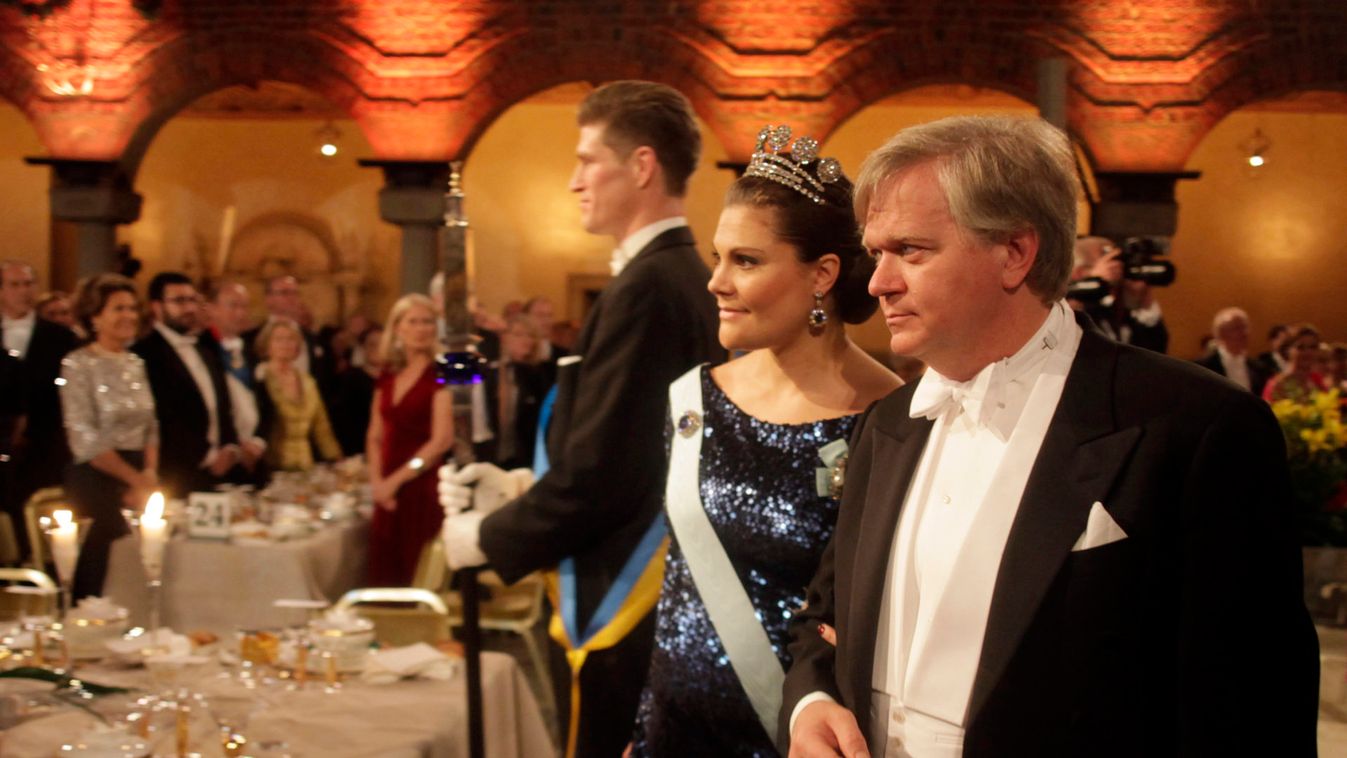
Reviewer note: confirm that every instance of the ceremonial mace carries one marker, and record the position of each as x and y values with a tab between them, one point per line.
461	368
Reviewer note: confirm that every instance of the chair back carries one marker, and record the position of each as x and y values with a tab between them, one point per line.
395	624
432	572
22	603
41	503
9	542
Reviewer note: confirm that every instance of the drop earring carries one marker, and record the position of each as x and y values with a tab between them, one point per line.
818	317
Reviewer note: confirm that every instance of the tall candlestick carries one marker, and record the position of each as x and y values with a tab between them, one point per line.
153	536
153	539
65	546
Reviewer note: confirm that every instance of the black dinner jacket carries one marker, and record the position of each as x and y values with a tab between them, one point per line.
606	440
181	410
1152	645
41	365
37	396
1257	377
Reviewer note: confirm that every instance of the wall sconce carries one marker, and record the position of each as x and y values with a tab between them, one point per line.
327	135
1255	149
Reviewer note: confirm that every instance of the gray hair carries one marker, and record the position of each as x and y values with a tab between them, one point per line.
1000	175
1225	316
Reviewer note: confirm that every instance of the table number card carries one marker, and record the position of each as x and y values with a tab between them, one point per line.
208	515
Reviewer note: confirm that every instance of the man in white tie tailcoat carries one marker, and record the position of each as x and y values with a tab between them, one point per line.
1052	544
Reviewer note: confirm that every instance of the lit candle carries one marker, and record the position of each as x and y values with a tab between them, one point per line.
153	535
65	547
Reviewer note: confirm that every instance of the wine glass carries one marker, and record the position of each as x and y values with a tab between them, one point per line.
232	708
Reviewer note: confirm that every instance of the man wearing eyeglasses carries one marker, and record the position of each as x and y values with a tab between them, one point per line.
198	441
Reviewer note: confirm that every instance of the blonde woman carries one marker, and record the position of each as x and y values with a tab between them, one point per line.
411	427
292	411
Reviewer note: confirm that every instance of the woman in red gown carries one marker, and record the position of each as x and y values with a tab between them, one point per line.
411	426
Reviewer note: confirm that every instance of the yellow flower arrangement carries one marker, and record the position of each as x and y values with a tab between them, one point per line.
1316	448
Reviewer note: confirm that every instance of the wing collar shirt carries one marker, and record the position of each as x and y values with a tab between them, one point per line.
18	334
185	346
953	528
924	664
629	248
1236	366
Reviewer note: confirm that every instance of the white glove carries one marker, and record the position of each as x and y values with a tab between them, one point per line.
459	533
494	488
482	485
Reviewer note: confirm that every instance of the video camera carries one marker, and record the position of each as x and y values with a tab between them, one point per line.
1142	261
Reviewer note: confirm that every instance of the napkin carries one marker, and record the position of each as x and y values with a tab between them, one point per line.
97	609
345	620
419	660
173	644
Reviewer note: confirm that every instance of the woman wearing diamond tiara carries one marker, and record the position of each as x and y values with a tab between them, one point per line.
757	447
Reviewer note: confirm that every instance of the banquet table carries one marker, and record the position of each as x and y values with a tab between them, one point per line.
411	718
220	586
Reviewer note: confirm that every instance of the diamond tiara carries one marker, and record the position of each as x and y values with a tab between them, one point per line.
772	161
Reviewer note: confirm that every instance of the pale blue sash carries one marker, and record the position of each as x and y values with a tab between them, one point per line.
727	603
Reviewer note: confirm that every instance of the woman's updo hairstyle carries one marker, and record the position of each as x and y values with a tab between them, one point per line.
814	228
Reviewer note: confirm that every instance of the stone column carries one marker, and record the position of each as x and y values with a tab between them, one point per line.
95	196
413	198
1135	204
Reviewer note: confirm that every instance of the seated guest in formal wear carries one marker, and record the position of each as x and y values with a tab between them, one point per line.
1273	360
35	450
227	316
1230	357
1301	376
57	307
109	420
293	414
355	392
1337	367
196	417
1053	543
749	513
543	314
283	300
411	428
518	387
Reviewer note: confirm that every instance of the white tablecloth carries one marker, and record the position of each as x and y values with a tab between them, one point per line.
220	587
407	718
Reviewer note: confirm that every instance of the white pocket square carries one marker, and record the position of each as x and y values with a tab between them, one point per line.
567	360
1100	530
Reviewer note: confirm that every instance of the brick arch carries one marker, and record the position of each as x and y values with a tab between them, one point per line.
17	82
178	73
535	62
1270	69
900	60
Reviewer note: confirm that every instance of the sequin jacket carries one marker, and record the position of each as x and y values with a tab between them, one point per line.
106	403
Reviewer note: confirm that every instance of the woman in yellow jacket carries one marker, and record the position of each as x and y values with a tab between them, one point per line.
293	417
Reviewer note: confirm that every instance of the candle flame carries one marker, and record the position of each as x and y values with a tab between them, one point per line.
63	518
154	508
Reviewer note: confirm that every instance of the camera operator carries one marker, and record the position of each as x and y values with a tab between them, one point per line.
1124	307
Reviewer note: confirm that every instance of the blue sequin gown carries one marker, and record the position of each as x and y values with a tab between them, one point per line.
759	490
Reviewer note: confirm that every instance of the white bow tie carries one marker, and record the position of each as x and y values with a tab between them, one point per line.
977	398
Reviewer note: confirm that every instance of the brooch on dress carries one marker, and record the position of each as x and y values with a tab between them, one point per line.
689	423
828	479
